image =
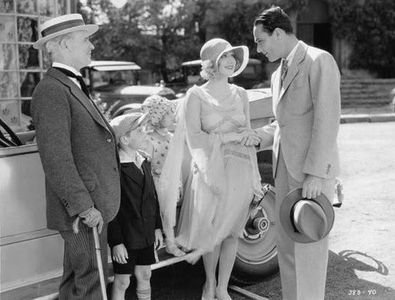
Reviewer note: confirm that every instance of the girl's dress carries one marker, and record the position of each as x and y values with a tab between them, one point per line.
223	177
160	141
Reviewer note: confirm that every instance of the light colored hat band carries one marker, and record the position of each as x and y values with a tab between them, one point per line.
62	26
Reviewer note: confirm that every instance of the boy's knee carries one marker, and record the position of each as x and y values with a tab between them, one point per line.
122	281
143	274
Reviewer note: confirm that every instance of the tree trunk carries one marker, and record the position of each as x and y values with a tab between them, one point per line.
163	65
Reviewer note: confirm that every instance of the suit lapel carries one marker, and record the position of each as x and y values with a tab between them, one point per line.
293	69
82	98
136	175
276	89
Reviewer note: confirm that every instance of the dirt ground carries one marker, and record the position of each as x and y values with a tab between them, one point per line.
362	242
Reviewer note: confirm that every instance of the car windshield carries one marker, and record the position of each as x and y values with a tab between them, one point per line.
119	77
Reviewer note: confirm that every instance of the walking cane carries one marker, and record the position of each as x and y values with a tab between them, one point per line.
99	263
98	256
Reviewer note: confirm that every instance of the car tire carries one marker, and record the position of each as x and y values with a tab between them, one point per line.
256	257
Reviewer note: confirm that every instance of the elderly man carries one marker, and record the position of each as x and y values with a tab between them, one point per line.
306	103
78	153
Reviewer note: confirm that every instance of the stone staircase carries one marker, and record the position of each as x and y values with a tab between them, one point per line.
357	92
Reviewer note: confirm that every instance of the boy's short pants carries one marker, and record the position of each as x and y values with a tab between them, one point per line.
137	257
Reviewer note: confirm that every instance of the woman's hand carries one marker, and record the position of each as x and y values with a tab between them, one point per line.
120	254
245	136
230	137
158	239
249	137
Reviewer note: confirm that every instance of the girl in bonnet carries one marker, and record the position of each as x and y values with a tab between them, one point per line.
160	118
214	130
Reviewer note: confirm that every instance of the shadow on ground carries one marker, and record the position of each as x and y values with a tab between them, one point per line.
184	282
181	281
343	283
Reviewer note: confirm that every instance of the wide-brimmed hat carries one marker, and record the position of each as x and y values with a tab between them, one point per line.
213	49
62	25
306	220
127	122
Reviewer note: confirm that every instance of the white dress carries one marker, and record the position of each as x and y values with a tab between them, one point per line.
223	177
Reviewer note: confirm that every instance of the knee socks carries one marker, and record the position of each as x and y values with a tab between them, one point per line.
144	294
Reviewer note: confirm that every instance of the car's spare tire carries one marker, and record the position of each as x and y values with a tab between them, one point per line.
256	257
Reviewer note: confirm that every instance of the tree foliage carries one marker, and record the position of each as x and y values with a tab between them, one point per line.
370	28
160	35
151	33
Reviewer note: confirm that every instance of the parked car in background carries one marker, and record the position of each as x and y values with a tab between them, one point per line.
114	84
189	74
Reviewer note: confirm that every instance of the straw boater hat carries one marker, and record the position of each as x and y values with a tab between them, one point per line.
213	50
306	220
62	25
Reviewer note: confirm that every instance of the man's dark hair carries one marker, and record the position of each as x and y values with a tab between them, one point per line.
273	18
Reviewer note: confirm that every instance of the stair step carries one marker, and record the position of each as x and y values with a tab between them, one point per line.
366	91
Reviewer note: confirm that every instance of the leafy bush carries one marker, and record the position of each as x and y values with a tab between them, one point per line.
369	25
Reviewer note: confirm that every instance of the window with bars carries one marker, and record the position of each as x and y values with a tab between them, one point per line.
22	66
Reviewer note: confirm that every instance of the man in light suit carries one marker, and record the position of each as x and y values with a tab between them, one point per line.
306	104
79	155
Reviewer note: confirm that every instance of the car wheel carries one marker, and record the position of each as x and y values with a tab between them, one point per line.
256	257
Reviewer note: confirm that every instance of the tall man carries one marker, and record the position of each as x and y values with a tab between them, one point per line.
78	153
306	104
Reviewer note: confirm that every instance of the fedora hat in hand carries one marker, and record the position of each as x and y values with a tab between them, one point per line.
62	25
306	220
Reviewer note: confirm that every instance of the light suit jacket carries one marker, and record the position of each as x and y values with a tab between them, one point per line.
78	152
307	111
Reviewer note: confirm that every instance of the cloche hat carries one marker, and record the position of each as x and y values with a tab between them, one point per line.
157	107
306	220
213	49
62	25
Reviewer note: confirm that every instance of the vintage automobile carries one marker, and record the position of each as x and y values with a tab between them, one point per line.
189	74
116	83
31	254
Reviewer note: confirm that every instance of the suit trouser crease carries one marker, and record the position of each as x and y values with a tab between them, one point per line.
303	267
80	278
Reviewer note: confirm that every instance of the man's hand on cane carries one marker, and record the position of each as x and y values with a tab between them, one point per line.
91	218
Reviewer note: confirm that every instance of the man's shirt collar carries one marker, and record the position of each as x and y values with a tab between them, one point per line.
292	54
71	69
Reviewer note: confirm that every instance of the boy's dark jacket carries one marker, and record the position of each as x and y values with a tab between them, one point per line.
138	216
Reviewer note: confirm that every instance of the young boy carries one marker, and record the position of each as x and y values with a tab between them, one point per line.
135	231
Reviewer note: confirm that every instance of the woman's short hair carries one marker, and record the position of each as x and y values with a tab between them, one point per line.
273	18
209	69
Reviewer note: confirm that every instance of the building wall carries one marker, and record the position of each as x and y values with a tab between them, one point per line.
22	66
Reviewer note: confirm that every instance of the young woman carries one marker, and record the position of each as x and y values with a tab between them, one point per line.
214	131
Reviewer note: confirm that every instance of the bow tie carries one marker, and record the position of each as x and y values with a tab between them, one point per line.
79	78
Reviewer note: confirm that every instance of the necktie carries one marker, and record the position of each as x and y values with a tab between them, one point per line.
284	69
81	81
